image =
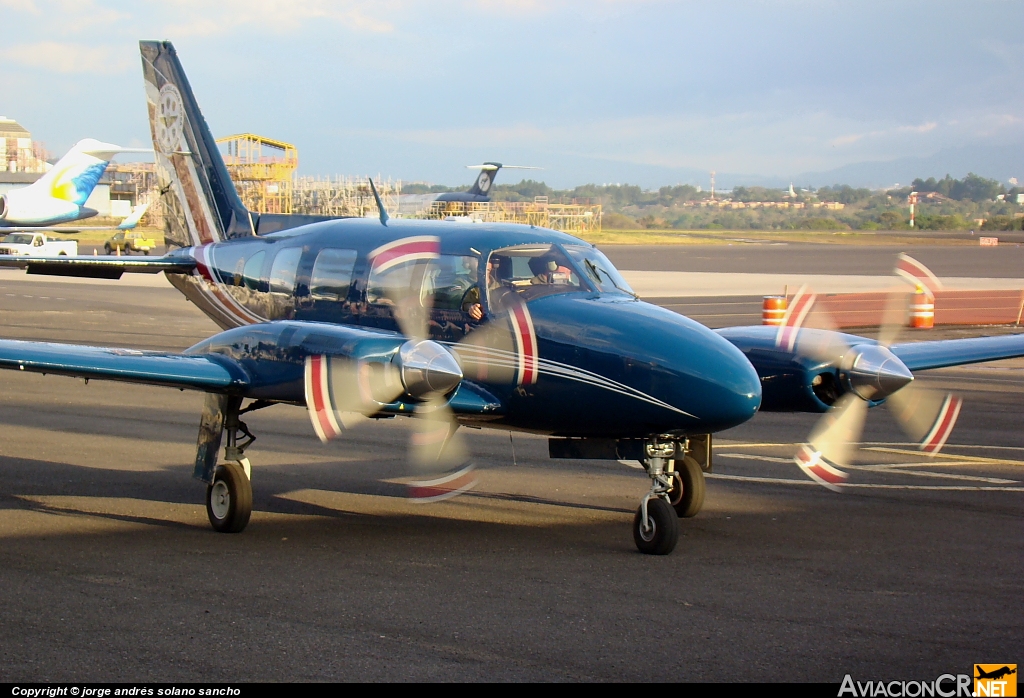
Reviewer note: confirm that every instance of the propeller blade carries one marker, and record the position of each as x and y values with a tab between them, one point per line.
894	317
438	455
341	392
796	314
407	271
926	416
504	349
833	441
917	274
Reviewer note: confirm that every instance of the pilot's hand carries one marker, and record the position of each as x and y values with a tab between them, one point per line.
476	311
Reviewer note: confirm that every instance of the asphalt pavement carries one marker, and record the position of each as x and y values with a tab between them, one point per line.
109	570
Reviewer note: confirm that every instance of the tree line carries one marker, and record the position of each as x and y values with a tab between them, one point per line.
943	204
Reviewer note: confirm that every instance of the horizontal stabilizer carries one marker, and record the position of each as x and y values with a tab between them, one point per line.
133	220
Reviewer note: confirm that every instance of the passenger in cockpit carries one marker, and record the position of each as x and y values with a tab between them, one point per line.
546	270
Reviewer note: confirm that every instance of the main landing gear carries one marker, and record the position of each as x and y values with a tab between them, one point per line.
677	491
229	486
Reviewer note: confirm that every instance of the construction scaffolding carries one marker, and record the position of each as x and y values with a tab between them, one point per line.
137	183
344	196
573	218
262	170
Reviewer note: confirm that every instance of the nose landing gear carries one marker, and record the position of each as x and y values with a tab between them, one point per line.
656	524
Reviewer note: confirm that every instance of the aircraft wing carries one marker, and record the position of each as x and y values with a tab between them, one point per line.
207	372
919	356
98	267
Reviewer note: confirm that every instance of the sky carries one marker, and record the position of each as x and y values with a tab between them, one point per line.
599	91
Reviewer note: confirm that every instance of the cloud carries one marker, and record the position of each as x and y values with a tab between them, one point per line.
852	138
273	15
68	58
28	6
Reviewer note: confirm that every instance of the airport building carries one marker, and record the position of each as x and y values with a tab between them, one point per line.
18	152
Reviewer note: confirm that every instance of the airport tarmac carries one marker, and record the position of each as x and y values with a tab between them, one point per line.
109	570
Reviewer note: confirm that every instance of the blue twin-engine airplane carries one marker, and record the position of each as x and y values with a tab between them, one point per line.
499	326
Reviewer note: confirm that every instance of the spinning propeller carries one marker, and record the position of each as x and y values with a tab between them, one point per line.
868	373
343	391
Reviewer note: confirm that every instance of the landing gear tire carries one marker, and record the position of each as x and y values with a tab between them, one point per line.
661	534
229	499
687	493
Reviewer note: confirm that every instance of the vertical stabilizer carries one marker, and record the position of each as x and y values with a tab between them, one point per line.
201	204
484	180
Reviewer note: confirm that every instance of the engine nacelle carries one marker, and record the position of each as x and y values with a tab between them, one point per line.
24	207
797	381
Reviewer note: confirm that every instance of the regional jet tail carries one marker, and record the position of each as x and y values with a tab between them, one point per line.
482	186
129	223
60	194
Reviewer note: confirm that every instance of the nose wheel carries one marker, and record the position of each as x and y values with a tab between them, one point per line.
656	527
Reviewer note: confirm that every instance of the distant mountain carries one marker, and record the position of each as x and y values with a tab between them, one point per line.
995	162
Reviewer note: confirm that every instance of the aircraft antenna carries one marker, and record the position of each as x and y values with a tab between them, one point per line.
380	204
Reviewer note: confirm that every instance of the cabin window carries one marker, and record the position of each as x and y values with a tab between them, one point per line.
283	270
531	271
253	271
228	262
332	274
400	285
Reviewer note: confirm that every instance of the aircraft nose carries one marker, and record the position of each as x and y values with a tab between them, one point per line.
708	378
706	383
736	396
715	381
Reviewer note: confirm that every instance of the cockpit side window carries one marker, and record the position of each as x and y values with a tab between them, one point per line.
452	281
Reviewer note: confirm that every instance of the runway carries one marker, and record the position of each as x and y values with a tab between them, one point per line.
109	570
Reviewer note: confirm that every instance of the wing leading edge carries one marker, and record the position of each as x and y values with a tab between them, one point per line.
920	356
206	372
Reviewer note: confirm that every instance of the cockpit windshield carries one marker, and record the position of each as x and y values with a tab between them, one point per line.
599	270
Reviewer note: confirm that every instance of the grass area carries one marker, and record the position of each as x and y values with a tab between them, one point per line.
723	237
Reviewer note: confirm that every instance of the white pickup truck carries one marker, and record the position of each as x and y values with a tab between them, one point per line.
36	245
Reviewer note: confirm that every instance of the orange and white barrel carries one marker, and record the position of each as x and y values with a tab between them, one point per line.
922	311
773	310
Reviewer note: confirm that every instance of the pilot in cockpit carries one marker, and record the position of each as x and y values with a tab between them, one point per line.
498	272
